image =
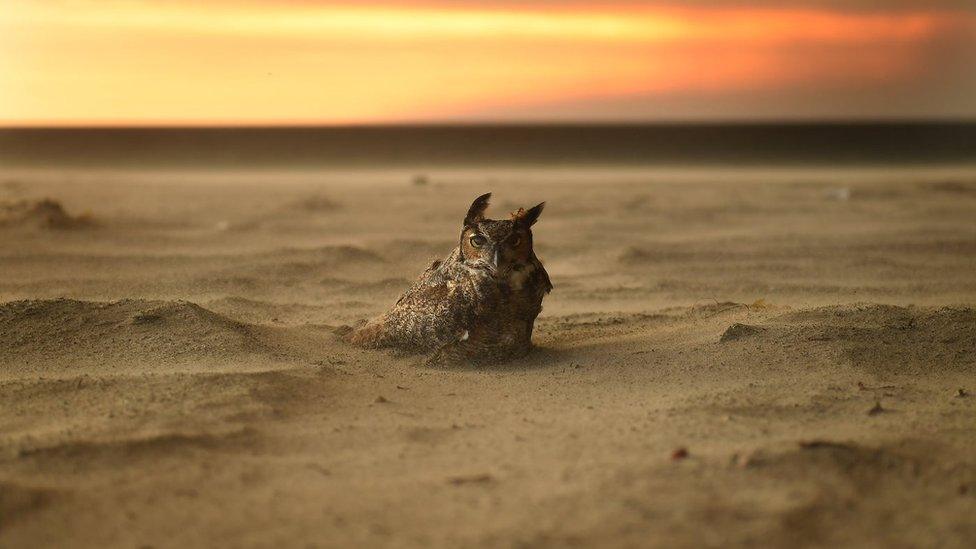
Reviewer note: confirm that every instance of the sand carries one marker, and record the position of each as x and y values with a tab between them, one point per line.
729	358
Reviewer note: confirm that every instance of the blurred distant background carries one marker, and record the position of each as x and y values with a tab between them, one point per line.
758	225
910	64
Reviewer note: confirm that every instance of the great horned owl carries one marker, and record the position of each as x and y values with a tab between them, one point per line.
479	304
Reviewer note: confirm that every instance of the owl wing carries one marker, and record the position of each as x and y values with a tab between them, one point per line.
439	309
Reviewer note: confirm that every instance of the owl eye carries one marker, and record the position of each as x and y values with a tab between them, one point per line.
478	241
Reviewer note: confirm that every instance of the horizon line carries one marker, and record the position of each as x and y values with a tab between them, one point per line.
799	121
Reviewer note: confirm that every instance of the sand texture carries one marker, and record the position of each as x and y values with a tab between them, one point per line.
729	358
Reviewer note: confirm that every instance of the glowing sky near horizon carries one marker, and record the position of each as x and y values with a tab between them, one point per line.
221	62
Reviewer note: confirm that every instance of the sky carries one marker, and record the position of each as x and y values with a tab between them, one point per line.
223	62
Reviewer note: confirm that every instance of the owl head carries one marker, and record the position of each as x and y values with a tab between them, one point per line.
497	245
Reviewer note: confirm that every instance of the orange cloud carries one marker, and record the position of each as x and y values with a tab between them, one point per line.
111	62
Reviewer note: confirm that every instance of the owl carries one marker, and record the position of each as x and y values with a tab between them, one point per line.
479	304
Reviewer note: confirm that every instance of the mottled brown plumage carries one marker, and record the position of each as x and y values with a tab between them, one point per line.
479	304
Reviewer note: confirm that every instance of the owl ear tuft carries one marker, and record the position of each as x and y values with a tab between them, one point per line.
477	210
530	216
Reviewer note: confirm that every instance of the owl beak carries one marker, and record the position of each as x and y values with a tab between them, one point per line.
494	259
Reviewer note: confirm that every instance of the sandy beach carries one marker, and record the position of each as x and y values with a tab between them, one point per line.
730	357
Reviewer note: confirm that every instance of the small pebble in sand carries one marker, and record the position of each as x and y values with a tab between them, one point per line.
381	400
679	454
877	409
471	479
962	393
746	459
739	331
840	194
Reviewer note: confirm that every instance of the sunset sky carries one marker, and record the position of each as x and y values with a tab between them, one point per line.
116	62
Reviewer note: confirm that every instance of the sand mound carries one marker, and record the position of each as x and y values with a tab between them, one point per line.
78	417
45	213
123	333
17	501
885	338
878	338
859	487
739	331
848	460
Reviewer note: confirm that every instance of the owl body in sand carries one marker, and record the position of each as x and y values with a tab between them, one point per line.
479	304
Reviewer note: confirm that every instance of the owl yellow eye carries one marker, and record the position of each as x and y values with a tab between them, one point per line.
478	241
